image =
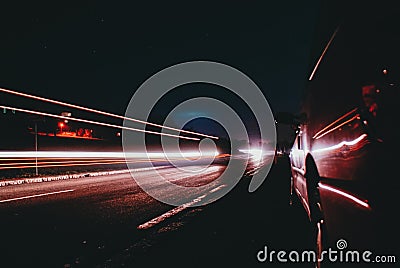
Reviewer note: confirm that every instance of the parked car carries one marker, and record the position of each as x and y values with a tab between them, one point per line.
344	157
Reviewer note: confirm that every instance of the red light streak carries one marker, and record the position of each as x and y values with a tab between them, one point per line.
63	165
341	144
331	124
338	126
344	194
101	112
60	162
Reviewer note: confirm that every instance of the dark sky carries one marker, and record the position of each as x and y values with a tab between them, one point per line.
97	53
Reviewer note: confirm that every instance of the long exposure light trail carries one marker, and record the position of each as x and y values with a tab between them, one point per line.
61	162
80	154
47	159
95	122
102	112
323	54
62	165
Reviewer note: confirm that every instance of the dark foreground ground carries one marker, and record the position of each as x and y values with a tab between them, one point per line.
229	232
96	226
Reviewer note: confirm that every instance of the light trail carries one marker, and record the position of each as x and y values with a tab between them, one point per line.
102	112
357	200
33	165
95	122
47	159
80	154
255	153
357	116
71	163
59	162
323	54
333	123
341	144
32	158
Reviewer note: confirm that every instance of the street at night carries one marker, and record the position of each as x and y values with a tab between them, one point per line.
199	134
94	222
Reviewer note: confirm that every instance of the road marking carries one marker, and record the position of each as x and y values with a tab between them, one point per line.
217	188
176	210
33	196
169	213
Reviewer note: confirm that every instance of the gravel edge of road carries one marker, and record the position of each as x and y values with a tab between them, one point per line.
17	181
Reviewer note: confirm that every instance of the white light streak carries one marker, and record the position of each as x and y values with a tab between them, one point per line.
256	154
80	154
102	112
95	122
322	55
341	144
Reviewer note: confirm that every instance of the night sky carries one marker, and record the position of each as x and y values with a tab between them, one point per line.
96	54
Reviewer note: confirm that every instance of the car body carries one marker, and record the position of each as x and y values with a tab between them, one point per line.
343	159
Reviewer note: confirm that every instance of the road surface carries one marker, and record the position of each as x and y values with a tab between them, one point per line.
108	221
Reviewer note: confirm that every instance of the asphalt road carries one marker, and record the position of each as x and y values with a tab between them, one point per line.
93	222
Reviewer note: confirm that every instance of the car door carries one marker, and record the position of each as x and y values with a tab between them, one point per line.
298	168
